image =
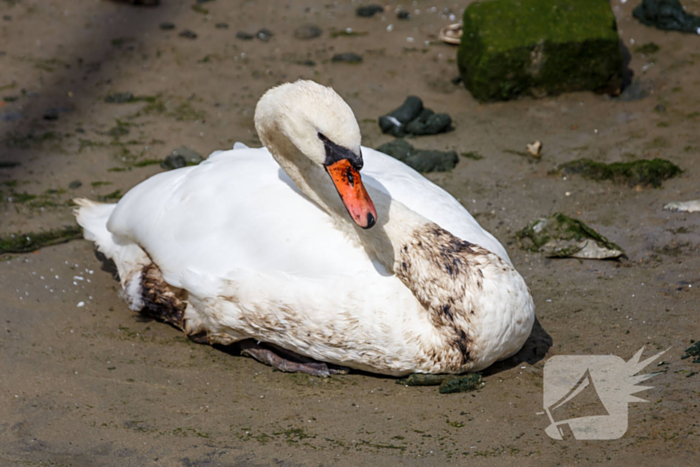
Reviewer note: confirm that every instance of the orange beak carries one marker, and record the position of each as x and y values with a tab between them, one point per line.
348	182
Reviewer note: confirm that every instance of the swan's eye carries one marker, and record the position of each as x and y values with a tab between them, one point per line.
351	179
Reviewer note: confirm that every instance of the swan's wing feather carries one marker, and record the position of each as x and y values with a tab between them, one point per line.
236	210
419	194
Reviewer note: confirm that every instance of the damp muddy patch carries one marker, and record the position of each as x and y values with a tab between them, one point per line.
32	241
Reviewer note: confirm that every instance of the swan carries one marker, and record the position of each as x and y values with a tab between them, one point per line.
312	266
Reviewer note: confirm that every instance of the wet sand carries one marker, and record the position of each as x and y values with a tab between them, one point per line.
94	384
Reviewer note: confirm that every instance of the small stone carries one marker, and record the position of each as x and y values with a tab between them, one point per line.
221	25
10	98
167	25
264	34
181	157
347	57
75	184
188	34
307	62
307	31
119	98
51	115
7	18
244	36
369	10
403	14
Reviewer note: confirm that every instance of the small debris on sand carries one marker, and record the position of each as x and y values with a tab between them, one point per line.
693	351
307	31
264	34
188	34
449	384
347	57
119	98
451	34
167	25
561	236
369	10
683	206
535	149
244	36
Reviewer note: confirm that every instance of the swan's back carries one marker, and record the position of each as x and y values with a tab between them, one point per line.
239	211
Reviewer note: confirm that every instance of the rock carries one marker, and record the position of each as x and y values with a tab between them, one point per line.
244	36
693	351
466	383
561	236
166	25
668	15
221	26
347	57
119	98
684	206
264	34
8	164
369	10
75	184
51	115
412	118
181	157
403	14
141	2
643	173
307	31
421	160
539	47
188	34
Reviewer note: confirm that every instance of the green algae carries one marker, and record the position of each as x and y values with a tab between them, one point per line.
693	351
643	173
28	242
515	47
448	383
648	48
474	155
561	236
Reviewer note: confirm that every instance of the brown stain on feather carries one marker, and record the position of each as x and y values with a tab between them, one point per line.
161	300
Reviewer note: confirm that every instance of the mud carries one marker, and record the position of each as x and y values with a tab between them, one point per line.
84	381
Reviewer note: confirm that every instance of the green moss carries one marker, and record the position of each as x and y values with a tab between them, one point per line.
116	194
693	351
513	47
28	242
100	183
466	383
419	379
346	33
648	48
472	155
636	173
17	140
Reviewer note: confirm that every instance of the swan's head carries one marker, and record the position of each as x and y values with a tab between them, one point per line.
323	129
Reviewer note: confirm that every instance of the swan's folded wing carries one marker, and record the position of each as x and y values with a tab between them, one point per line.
419	194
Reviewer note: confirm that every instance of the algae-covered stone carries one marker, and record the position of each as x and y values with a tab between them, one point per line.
641	173
422	160
561	236
539	47
465	383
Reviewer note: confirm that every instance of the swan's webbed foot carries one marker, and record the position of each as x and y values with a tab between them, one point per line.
288	361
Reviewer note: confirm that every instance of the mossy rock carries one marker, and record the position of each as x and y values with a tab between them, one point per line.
561	236
539	47
643	173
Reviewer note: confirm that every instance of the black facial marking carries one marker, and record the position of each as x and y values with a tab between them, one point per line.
335	153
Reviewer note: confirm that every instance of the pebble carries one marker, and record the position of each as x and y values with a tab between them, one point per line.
181	157
307	31
10	116
264	34
75	184
167	25
244	36
188	34
347	57
221	25
403	14
119	98
369	10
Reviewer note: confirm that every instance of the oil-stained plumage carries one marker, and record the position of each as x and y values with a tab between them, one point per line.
260	244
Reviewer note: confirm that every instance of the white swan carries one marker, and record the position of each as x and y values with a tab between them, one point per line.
258	244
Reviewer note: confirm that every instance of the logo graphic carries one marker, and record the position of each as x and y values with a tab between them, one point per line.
586	396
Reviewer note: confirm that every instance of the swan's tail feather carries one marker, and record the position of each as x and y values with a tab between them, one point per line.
129	258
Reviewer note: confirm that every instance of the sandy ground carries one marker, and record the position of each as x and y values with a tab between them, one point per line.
95	385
